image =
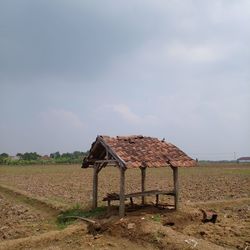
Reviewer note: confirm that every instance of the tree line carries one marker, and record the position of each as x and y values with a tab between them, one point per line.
35	158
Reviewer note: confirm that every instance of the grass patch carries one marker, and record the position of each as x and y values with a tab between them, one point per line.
156	218
63	220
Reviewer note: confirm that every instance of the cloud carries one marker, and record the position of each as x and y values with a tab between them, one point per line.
192	53
128	115
59	118
60	129
131	117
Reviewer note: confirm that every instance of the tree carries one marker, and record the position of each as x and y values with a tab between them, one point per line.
55	155
3	158
4	155
30	156
67	155
78	154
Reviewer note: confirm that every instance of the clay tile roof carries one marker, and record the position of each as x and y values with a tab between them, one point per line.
244	158
140	150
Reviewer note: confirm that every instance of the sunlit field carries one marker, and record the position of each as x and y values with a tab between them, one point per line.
67	185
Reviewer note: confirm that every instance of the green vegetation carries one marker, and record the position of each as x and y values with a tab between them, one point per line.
3	158
30	158
65	219
156	217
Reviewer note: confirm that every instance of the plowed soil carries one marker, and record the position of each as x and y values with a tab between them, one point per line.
66	185
19	220
31	196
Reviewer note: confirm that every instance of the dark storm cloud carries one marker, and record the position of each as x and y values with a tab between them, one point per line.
81	39
77	38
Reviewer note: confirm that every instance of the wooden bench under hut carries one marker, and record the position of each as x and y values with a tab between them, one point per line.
134	152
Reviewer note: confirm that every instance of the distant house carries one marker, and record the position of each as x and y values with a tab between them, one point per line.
45	157
15	158
243	159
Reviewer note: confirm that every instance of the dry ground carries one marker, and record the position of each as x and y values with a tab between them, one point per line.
69	184
223	188
20	220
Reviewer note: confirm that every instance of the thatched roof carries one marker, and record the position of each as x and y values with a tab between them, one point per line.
137	151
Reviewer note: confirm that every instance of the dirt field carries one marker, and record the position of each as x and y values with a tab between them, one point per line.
19	220
31	197
67	185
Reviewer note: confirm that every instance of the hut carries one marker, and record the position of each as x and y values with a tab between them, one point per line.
243	159
126	152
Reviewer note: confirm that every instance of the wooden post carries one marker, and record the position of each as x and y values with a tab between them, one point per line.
95	187
176	188
131	202
109	206
143	176
122	192
157	200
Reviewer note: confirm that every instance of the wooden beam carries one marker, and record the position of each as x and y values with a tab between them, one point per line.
149	193
107	154
114	155
176	187
122	192
107	161
131	201
101	161
143	177
100	167
95	187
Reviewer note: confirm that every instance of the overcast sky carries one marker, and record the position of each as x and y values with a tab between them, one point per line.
70	70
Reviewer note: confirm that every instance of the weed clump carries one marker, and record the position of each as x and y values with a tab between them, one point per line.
156	218
67	217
